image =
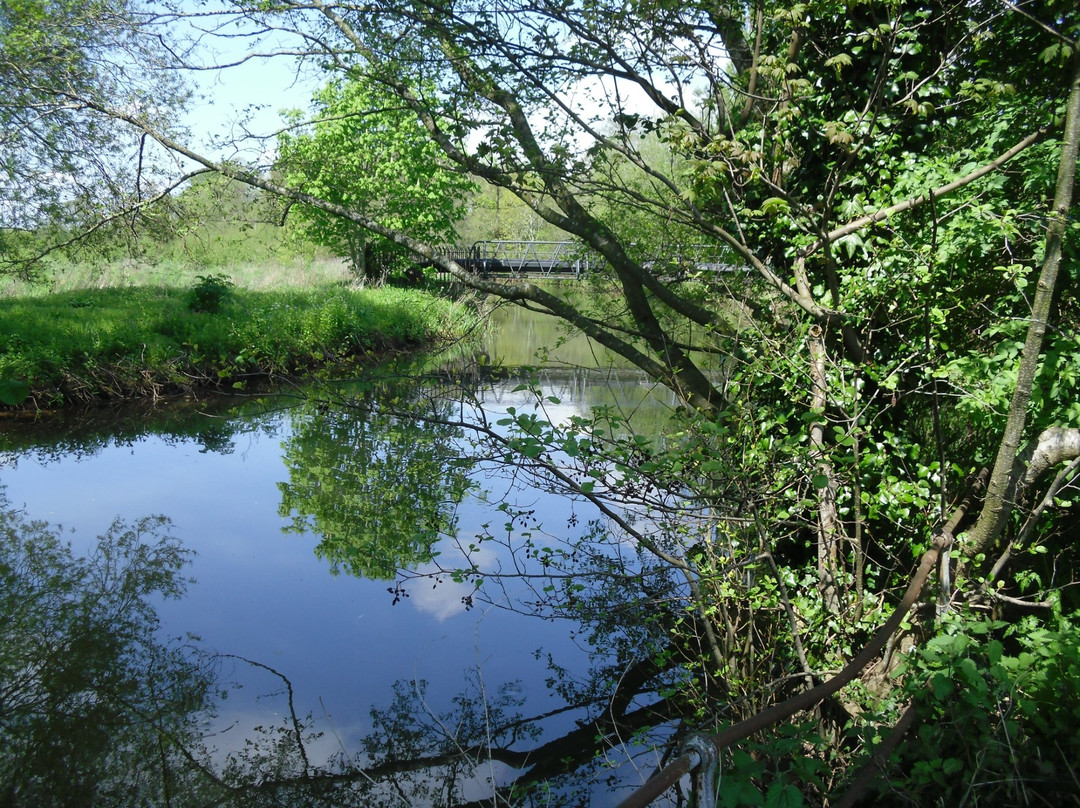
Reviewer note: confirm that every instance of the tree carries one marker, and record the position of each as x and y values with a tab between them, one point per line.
215	221
365	151
897	178
72	174
497	215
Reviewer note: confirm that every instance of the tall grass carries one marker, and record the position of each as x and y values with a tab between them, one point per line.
254	255
296	272
126	329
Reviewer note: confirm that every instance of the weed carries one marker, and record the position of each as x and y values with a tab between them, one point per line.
210	293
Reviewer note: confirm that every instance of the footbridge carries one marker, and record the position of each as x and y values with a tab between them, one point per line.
527	259
572	259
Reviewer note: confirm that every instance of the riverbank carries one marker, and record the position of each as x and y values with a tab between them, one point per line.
147	341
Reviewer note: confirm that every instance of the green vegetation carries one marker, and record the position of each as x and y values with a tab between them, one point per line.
82	345
64	170
220	298
213	225
496	215
897	178
233	255
1031	668
365	152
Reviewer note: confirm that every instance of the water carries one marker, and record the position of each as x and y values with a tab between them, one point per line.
267	594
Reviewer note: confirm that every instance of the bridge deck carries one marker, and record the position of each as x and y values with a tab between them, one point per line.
566	259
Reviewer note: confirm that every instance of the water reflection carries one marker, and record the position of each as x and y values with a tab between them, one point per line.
88	690
379	490
400	683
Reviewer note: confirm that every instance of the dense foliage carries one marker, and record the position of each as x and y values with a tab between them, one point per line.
366	152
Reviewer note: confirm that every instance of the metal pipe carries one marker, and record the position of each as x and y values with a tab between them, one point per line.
662	781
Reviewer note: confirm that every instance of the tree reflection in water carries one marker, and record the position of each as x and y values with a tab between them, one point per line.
379	484
95	708
377	488
131	713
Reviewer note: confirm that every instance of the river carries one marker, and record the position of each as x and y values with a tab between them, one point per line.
310	526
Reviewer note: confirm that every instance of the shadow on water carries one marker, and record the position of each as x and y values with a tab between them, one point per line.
386	612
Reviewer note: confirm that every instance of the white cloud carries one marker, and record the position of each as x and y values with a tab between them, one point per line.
437	594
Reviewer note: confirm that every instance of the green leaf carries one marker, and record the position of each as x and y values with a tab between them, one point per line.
13	391
942	685
774	206
783	795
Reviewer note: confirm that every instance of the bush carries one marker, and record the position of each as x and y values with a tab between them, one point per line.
999	707
210	293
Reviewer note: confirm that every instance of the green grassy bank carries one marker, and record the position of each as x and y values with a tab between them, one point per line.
92	343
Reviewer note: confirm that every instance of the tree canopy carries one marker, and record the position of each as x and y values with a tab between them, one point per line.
366	151
69	166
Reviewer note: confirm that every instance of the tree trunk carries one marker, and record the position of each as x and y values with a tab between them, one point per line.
828	525
999	495
358	254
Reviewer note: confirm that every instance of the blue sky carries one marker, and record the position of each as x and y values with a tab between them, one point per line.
247	96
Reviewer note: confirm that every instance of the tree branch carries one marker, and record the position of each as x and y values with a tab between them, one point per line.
918	201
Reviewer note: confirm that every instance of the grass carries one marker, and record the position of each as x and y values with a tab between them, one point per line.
282	272
98	335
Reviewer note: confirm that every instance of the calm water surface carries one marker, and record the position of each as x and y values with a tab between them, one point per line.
262	593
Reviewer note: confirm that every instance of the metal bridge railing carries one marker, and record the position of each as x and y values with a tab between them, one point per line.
574	259
531	257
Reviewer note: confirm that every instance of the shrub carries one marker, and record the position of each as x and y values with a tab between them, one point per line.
210	293
999	705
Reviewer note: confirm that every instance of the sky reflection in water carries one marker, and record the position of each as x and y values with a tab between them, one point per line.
263	594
